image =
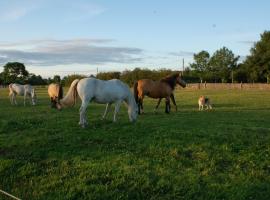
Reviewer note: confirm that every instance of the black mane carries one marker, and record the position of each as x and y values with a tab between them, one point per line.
170	80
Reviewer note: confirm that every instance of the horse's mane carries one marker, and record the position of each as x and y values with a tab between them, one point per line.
60	92
170	80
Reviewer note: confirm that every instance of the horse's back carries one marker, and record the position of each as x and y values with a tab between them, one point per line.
153	89
16	88
102	91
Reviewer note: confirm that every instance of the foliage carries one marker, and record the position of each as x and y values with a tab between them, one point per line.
67	80
218	67
14	72
36	80
56	79
201	63
258	63
108	75
222	62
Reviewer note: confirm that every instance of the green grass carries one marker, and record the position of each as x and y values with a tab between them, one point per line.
220	154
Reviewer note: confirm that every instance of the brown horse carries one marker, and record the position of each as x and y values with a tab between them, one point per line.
157	89
55	92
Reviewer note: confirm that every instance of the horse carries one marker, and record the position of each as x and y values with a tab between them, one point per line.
22	90
157	89
55	92
104	92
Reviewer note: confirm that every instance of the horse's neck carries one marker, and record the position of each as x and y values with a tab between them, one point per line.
130	100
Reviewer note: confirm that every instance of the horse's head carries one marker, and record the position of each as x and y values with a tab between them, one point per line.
55	103
132	109
33	97
180	81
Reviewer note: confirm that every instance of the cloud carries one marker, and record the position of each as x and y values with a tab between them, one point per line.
15	10
182	53
66	11
52	42
247	42
64	52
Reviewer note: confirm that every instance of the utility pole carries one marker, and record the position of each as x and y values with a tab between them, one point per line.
183	66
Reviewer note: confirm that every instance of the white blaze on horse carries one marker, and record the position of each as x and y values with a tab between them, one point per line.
55	92
104	92
22	90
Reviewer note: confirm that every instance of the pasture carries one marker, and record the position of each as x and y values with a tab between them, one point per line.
220	154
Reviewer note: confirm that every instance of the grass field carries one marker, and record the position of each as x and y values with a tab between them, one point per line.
221	154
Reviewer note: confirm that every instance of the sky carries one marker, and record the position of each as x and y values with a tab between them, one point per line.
82	37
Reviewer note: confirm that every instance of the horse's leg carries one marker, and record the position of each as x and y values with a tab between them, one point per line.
30	100
14	99
24	98
116	109
108	107
141	103
168	106
83	121
139	106
11	98
158	104
173	100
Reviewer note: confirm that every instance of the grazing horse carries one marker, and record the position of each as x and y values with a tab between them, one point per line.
55	92
22	90
104	92
157	89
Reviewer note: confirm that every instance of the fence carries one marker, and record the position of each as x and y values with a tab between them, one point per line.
222	86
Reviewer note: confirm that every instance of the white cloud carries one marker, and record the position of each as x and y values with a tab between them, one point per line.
182	53
65	52
15	10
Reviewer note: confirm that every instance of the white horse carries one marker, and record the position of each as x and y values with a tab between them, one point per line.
22	90
104	92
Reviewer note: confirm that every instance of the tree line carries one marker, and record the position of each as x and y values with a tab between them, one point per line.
222	66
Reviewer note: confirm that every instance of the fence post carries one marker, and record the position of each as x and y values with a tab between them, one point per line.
241	85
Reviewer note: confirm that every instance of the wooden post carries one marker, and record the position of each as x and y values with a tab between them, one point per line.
204	84
241	85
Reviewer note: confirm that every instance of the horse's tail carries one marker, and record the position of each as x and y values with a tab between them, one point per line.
135	88
71	96
10	89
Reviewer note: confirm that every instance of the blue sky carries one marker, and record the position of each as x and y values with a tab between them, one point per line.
63	37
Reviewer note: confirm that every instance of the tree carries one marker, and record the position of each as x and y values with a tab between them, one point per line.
221	64
108	75
36	80
201	63
14	72
258	63
67	80
56	79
